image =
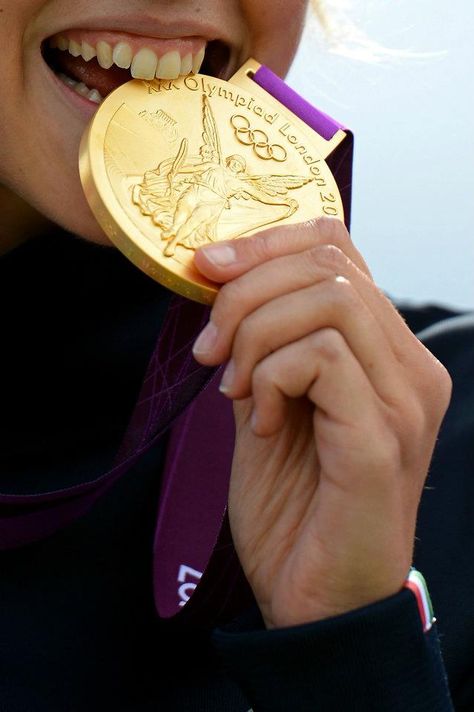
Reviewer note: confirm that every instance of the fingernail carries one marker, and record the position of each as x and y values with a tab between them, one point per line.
227	378
206	340
220	255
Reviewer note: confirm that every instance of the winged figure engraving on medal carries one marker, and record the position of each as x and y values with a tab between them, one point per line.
187	197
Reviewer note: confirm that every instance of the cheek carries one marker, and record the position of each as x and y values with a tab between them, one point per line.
275	30
40	135
18	19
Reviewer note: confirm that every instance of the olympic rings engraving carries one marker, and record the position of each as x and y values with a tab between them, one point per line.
257	139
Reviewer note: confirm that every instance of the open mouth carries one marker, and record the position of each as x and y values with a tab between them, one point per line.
93	64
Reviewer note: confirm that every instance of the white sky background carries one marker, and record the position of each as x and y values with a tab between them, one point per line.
413	119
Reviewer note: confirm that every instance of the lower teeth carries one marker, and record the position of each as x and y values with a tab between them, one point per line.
80	88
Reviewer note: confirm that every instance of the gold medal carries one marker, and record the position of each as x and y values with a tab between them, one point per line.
170	165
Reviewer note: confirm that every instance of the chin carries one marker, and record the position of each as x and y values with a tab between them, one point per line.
90	231
97	236
81	222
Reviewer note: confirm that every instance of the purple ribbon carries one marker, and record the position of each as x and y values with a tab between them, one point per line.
340	161
172	380
320	122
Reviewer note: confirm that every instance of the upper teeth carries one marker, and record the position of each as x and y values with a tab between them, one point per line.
143	65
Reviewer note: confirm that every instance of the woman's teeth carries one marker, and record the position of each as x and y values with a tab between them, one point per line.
80	88
144	64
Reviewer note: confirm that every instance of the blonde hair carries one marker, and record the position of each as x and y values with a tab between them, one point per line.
319	11
343	34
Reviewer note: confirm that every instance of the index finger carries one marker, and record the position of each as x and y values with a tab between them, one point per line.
229	259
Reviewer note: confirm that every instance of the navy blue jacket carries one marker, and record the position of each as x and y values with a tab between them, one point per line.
79	630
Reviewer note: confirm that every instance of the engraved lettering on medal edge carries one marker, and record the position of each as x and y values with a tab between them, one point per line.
257	139
162	121
186	196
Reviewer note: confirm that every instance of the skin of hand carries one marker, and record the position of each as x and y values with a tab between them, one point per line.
337	408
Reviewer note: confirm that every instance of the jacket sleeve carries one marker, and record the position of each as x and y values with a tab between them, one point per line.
374	659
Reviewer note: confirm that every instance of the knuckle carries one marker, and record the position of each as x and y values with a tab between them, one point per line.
333	231
263	244
445	385
263	375
342	293
415	428
435	386
231	299
249	334
329	344
331	257
441	385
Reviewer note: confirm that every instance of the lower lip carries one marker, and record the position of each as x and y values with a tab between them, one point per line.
88	108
